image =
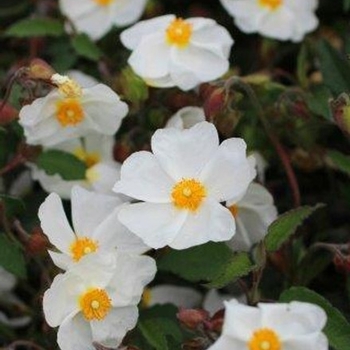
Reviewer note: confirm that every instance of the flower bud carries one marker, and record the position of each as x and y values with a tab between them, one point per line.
7	113
39	69
215	103
341	112
192	318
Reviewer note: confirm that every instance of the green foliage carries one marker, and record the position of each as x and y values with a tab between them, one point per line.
317	101
346	5
239	265
337	328
32	27
340	161
62	163
285	226
335	69
13	206
86	48
11	257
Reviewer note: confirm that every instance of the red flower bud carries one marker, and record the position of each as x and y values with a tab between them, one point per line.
39	69
215	103
192	318
7	113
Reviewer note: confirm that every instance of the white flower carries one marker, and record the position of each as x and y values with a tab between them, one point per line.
182	183
170	294
293	326
96	151
97	17
277	19
7	284
95	300
71	111
261	165
186	117
253	213
170	51
96	227
81	78
214	300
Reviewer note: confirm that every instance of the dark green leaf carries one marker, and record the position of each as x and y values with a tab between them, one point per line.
11	257
340	161
65	164
13	206
202	263
337	328
32	27
84	47
239	266
285	226
334	68
346	5
317	101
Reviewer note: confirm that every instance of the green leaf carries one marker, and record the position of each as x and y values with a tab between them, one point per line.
202	263
340	161
317	101
156	331
62	163
346	5
239	266
11	257
302	65
13	205
334	68
84	47
337	328
32	27
285	226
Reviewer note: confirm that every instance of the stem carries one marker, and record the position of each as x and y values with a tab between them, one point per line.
236	82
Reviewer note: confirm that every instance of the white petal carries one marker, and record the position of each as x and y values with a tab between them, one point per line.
227	343
60	300
131	37
156	224
101	145
312	341
130	278
103	176
89	209
179	296
75	334
205	64
143	178
112	234
151	57
214	301
186	117
229	172
184	153
55	224
212	222
83	79
111	330
63	261
15	322
127	12
182	77
8	281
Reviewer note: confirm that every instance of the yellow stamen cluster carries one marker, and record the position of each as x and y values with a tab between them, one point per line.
82	246
188	194
95	304
234	210
179	33
69	112
264	339
103	2
90	159
66	86
146	297
272	4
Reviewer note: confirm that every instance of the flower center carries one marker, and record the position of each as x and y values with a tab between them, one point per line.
234	210
67	86
146	297
272	4
82	246
95	304
264	339
69	112
103	2
188	194
179	33
90	159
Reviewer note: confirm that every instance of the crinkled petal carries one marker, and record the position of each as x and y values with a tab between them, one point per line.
184	153
212	222
110	331
55	224
63	261
127	12
186	117
156	224
227	343
311	341
102	176
142	177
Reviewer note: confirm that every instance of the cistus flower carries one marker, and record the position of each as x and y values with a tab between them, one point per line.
96	227
182	184
96	17
96	151
186	117
253	213
170	51
95	300
276	19
293	326
71	111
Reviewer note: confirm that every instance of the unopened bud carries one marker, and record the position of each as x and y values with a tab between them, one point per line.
7	113
39	69
37	242
192	318
341	112
215	103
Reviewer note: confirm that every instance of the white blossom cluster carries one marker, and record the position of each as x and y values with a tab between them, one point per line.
188	190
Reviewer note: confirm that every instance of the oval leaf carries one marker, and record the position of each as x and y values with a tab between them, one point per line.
84	47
